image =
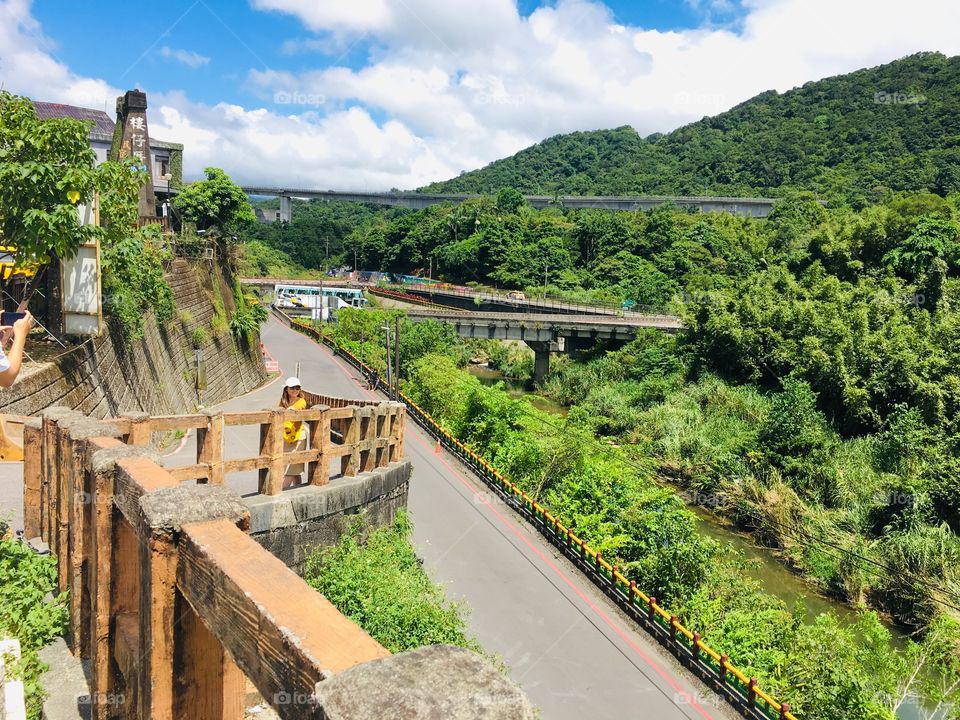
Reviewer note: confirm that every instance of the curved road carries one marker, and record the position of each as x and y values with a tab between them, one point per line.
566	645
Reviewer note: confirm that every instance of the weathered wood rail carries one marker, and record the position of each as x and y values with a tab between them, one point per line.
361	434
175	606
170	599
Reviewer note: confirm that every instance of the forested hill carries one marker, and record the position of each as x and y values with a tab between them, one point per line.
848	137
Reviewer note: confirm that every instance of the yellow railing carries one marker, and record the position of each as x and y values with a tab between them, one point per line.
750	691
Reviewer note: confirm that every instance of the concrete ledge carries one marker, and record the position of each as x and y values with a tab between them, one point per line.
341	496
297	521
168	509
438	681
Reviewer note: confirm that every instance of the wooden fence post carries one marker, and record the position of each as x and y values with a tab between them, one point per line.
210	447
158	581
140	429
368	451
32	470
209	685
351	436
318	472
271	447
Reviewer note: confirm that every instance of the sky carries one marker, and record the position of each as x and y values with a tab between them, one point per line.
380	94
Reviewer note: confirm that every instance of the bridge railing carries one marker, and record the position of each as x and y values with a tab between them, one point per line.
170	600
716	669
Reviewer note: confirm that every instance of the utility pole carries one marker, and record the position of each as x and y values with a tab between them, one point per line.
396	360
388	378
546	269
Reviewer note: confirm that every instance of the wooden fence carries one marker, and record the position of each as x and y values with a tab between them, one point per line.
170	600
362	435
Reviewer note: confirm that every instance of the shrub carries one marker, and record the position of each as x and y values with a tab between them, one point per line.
200	338
378	583
25	580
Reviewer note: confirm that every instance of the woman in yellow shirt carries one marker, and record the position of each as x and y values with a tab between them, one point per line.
294	434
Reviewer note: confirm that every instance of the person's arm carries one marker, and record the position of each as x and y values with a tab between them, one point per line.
15	357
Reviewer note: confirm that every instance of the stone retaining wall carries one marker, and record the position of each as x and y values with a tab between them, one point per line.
105	376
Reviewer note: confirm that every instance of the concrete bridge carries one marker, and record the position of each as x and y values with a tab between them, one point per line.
750	207
546	334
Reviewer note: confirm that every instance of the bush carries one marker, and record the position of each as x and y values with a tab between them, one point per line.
200	338
378	583
25	580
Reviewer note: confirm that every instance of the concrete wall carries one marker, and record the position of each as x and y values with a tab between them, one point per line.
106	376
295	522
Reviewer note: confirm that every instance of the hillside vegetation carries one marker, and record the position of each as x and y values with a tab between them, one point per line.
849	138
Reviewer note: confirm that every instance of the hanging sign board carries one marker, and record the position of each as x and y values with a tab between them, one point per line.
80	283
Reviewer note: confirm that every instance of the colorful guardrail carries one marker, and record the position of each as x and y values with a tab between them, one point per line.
715	669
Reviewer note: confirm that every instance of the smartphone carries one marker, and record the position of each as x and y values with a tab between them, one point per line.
9	318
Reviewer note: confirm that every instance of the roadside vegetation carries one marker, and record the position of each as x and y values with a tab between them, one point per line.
374	577
611	496
25	612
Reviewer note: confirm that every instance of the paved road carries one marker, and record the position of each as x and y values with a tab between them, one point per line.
565	644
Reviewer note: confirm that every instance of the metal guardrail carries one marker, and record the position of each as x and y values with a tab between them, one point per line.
715	669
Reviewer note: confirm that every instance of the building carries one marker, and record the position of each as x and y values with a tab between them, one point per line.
166	158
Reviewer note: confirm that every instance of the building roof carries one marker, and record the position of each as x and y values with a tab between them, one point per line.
102	124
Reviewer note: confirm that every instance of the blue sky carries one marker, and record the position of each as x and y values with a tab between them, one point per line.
236	37
375	94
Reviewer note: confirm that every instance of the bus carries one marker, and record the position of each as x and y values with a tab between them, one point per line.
317	297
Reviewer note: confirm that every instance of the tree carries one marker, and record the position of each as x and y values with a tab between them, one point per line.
933	238
509	200
214	202
46	169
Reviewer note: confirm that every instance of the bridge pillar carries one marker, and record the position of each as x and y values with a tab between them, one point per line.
285	208
541	358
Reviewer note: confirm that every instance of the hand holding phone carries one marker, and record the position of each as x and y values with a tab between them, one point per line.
9	318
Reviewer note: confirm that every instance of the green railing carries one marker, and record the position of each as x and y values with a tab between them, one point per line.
715	669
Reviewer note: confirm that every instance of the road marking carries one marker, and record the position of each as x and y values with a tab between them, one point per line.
666	676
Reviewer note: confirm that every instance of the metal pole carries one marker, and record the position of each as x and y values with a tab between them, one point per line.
388	378
396	360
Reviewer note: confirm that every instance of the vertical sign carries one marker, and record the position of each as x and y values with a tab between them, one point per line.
80	282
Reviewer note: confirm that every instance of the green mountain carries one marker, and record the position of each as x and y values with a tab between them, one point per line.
849	137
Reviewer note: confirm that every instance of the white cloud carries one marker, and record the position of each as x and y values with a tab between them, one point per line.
462	83
187	57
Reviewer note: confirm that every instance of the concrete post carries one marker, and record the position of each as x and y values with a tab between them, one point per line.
285	208
541	360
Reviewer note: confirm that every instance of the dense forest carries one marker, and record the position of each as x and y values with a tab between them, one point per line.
848	138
